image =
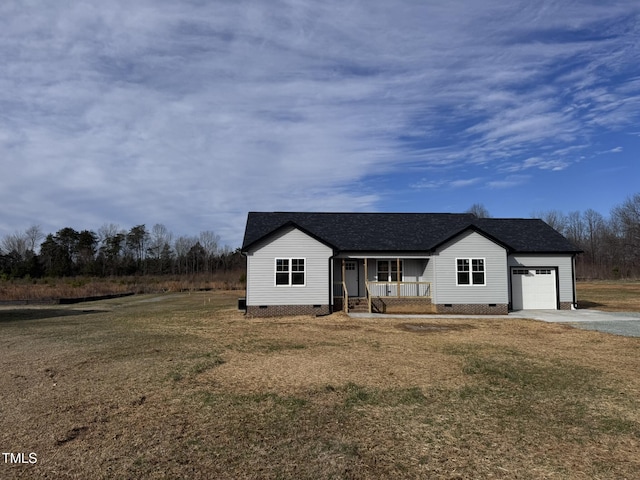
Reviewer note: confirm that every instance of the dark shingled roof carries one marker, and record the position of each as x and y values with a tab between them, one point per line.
406	232
526	235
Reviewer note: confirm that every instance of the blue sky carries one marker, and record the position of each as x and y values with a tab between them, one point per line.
190	114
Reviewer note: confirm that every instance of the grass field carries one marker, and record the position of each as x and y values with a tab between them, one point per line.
52	289
612	296
184	386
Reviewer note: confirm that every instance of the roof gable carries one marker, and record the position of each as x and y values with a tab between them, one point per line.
472	228
285	226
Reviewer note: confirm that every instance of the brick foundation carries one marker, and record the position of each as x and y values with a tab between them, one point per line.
424	306
473	308
286	310
402	305
565	305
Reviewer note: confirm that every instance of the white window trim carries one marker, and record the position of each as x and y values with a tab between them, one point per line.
390	261
471	284
290	272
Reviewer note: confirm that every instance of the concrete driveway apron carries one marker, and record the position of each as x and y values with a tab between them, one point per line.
618	323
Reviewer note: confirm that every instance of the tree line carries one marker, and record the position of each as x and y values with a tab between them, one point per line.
112	251
610	245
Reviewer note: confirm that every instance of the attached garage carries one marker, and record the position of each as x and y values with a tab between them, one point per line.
534	289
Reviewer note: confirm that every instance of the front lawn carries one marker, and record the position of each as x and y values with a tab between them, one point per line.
184	386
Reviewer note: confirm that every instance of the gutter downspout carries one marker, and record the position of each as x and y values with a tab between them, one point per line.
246	279
331	283
573	279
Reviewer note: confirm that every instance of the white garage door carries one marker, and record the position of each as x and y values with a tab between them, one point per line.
533	289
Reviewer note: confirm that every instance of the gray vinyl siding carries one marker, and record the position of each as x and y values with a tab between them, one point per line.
430	275
471	245
564	264
414	270
292	243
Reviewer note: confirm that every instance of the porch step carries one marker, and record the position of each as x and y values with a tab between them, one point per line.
357	304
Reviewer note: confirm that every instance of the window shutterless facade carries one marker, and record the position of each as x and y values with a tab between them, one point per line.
470	271
290	271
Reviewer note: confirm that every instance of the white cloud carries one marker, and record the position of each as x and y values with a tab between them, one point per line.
509	182
540	163
428	184
465	182
431	184
190	114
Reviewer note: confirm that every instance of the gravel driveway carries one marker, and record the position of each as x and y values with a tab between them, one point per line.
618	323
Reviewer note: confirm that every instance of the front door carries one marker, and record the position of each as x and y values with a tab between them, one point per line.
351	278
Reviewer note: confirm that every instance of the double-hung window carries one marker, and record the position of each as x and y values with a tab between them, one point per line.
470	271
290	271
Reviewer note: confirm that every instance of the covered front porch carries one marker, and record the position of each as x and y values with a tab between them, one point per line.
378	284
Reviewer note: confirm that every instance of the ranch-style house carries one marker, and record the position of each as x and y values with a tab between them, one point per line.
318	263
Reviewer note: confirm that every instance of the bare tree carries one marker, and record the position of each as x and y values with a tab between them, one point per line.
136	241
596	233
553	218
16	243
575	228
33	235
626	221
108	230
158	238
479	210
209	242
182	246
159	248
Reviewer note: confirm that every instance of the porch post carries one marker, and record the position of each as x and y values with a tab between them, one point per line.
366	274
366	283
398	275
345	294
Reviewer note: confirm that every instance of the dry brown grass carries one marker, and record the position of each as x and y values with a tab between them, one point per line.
48	289
184	386
611	296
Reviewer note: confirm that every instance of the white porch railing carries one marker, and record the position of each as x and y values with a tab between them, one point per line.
385	290
399	289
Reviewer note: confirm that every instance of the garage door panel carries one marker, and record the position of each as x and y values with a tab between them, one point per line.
533	289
